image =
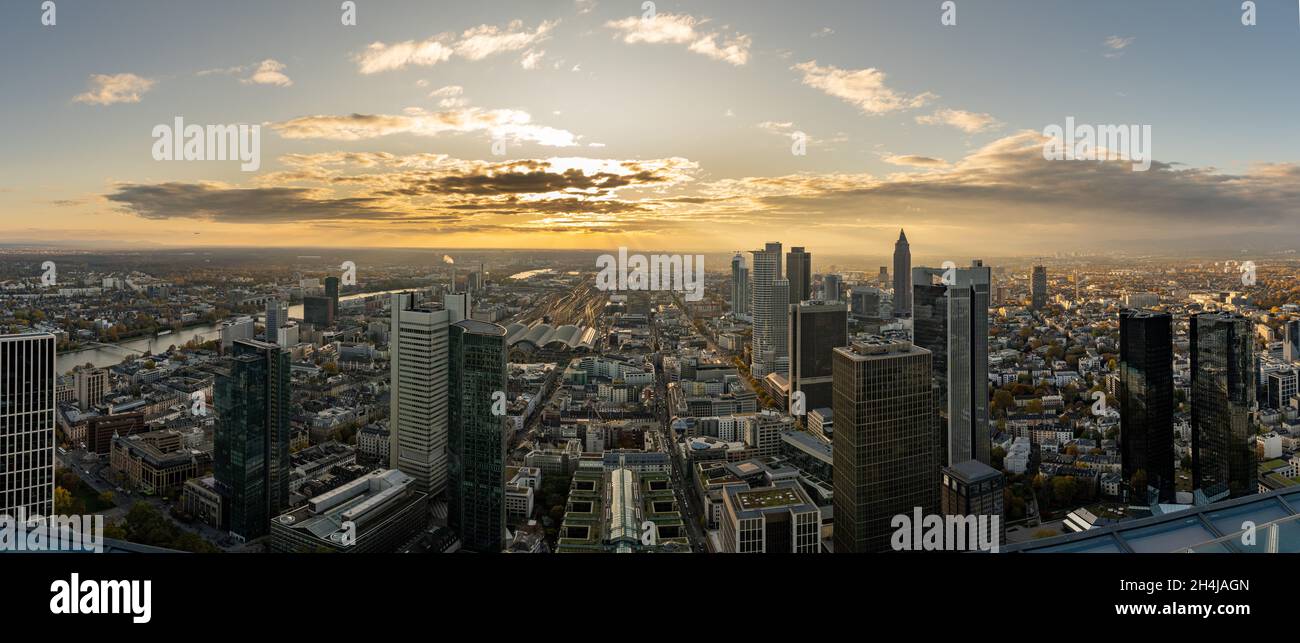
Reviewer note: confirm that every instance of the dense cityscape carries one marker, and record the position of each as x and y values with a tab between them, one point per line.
250	401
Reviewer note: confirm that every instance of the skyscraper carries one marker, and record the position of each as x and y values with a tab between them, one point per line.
251	443
27	420
1146	400
816	329
1291	347
332	292
739	285
476	435
832	286
276	317
886	459
902	276
1038	289
1223	386
952	322
767	270
418	395
780	327
798	269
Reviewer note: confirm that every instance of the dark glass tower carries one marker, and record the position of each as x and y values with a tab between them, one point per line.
251	445
1038	289
477	436
816	330
318	311
902	276
332	292
952	322
798	269
886	459
1223	387
1146	400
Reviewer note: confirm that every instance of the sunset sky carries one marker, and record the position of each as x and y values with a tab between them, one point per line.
671	133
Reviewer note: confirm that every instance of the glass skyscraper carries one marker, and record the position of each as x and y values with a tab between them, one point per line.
798	269
251	444
1223	387
885	451
816	329
477	435
952	322
1146	399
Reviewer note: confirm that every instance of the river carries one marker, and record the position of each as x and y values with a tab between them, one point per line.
104	355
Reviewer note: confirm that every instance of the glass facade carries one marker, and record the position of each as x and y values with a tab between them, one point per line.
476	436
1146	398
1223	387
885	451
251	444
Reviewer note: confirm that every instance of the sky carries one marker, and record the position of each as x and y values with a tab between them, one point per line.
597	124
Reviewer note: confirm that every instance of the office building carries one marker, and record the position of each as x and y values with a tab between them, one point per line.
459	306
27	421
864	302
251	442
332	293
902	276
816	329
418	396
318	311
769	323
1281	388
376	513
832	287
92	386
1038	288
951	321
798	269
886	448
276	317
1291	345
779	519
1146	400
972	488
476	435
1223	388
739	285
236	329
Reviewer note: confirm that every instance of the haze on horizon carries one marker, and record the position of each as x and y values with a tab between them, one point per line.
673	133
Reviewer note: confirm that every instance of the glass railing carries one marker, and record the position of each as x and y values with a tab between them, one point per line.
1273	537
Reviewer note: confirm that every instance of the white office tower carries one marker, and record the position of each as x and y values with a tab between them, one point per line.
27	406
418	344
767	326
287	335
458	304
92	385
739	285
276	317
